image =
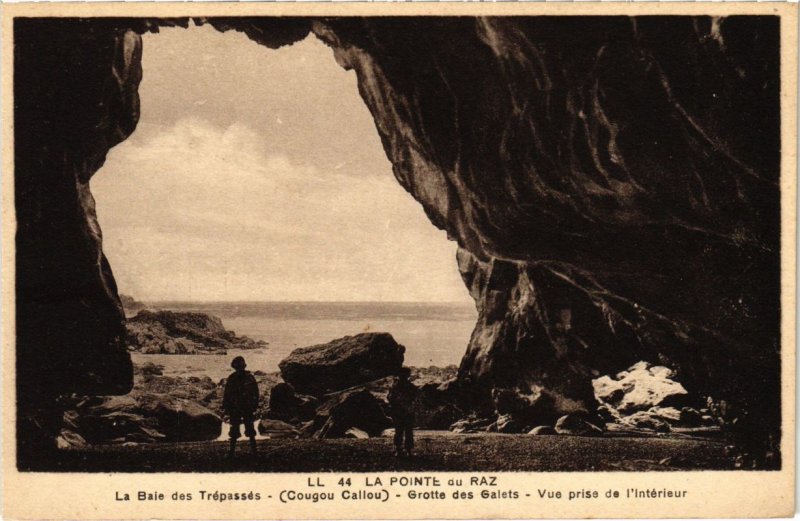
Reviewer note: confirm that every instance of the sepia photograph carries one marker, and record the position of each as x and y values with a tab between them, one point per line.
280	244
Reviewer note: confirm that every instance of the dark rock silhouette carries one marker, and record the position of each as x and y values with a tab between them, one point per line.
342	363
149	369
577	425
277	429
145	418
435	405
519	411
343	411
285	404
473	424
612	182
130	305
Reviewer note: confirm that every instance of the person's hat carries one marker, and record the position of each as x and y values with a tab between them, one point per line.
238	363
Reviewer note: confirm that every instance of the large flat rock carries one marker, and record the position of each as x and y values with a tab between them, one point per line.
342	363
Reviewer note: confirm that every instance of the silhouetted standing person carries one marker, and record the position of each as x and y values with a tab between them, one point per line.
240	402
401	400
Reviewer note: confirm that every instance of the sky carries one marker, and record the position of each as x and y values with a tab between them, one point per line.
258	174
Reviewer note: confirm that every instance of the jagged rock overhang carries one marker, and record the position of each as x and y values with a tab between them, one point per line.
637	159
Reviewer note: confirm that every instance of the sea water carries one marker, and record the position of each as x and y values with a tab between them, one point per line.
433	333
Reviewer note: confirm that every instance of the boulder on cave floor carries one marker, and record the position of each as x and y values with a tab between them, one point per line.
506	423
639	388
647	421
690	417
663	419
105	419
356	433
343	411
144	418
436	406
577	425
277	429
670	415
520	410
342	363
288	406
69	439
181	420
510	401
473	424
607	413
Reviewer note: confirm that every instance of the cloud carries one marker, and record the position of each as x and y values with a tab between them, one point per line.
258	174
297	98
197	211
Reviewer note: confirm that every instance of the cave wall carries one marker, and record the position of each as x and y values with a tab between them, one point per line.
623	169
75	96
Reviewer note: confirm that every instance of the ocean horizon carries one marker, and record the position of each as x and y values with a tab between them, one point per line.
324	309
433	333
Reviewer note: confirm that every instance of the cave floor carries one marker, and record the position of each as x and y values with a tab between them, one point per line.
434	451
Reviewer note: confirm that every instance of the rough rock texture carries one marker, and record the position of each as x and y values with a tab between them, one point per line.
286	405
194	388
646	397
612	181
520	410
639	388
130	305
343	411
542	430
631	162
277	429
435	407
342	363
655	418
473	424
646	420
669	414
173	332
145	418
75	97
577	425
68	439
356	434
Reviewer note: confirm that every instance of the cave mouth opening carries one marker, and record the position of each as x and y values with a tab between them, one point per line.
255	188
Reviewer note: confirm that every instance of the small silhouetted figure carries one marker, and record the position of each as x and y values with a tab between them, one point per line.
240	402
401	400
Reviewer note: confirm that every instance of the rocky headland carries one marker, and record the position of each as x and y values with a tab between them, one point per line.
173	332
130	305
